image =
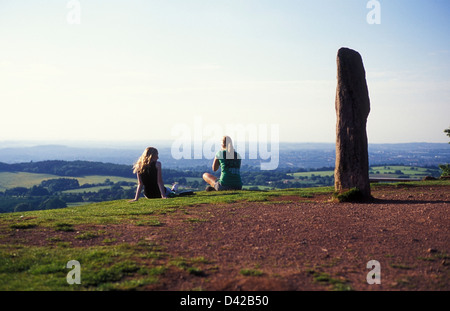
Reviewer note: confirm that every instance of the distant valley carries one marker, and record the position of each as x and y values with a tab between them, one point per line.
291	155
56	176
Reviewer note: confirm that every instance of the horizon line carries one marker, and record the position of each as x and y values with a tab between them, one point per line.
135	143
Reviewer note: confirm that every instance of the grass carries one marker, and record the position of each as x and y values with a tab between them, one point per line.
121	211
102	267
194	220
188	266
86	236
109	263
149	222
335	284
62	226
251	272
23	225
352	195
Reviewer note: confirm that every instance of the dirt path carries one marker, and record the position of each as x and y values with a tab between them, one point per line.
292	243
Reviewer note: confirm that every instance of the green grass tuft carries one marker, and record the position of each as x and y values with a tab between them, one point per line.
251	272
352	195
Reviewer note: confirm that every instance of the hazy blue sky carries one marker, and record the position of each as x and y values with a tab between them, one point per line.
137	70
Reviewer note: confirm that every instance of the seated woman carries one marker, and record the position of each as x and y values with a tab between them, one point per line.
229	162
149	176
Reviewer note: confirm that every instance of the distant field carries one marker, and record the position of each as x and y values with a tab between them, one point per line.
311	174
10	180
98	179
401	171
191	179
91	189
394	171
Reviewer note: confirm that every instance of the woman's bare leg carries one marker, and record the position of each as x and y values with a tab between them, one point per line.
210	179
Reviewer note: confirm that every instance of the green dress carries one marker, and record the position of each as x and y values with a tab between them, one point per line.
230	175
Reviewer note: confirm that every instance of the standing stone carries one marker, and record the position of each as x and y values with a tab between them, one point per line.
352	110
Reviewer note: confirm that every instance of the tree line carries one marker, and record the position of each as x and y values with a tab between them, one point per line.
49	194
69	168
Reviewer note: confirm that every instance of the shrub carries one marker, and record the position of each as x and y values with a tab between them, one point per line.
445	170
352	195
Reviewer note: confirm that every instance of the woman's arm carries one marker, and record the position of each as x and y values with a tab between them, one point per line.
162	189
138	190
216	164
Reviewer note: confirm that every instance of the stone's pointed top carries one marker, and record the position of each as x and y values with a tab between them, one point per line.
350	68
349	54
346	50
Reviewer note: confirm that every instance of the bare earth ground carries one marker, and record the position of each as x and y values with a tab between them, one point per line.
298	244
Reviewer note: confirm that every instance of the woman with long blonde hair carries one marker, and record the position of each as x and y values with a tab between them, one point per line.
148	171
229	162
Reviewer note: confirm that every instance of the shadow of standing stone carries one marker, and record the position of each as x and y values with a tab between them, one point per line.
352	110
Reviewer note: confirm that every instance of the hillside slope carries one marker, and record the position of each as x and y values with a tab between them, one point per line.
286	240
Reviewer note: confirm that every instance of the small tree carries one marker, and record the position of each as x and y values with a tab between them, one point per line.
445	167
52	203
445	170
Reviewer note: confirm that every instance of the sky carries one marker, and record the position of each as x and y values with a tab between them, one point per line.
148	70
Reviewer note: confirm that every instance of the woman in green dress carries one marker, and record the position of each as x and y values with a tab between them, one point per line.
229	162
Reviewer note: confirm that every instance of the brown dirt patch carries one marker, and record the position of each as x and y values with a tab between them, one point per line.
293	243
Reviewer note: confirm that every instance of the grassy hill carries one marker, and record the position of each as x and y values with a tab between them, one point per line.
43	266
120	245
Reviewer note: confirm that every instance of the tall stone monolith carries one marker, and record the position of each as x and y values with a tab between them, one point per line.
352	110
